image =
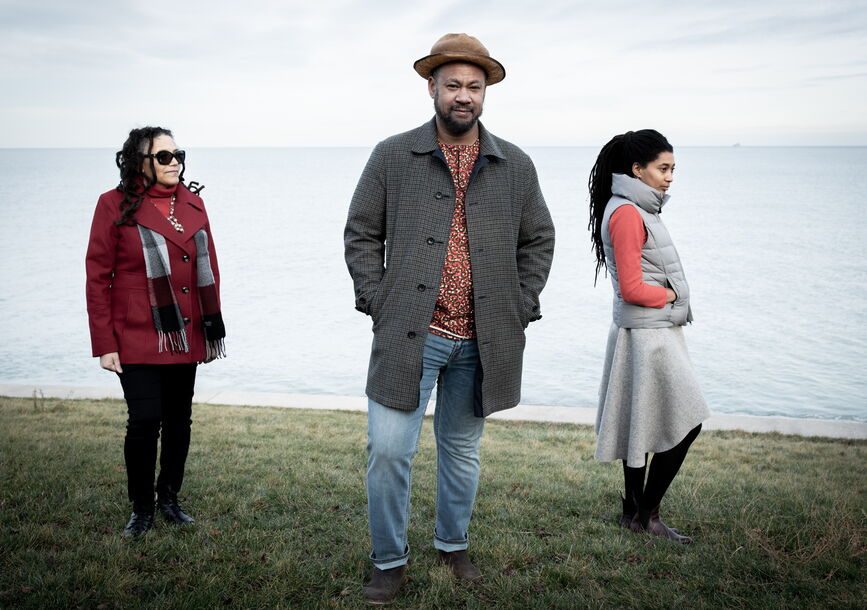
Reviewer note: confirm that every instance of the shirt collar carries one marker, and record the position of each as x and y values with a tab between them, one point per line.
426	142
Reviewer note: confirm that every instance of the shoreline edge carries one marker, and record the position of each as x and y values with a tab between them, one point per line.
842	429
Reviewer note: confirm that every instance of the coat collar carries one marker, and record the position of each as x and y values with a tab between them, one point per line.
189	210
426	141
634	190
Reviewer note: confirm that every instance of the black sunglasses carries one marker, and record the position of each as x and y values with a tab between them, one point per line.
164	157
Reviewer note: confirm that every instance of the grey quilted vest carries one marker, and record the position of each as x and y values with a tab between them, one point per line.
660	263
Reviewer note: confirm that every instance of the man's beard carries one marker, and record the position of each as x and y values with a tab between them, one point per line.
455	126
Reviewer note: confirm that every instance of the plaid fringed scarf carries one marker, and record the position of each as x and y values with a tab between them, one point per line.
168	321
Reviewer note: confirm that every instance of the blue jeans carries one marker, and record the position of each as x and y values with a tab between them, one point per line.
392	442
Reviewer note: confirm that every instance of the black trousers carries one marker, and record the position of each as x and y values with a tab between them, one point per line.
159	397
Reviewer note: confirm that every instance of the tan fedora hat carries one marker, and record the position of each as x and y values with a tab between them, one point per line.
461	47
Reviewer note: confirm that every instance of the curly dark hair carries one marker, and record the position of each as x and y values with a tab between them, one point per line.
617	157
133	181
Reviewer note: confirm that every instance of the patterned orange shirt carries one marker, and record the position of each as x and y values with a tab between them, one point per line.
453	316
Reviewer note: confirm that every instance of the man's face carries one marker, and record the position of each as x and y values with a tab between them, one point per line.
458	91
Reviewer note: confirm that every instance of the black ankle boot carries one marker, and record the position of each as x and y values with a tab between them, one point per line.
140	522
629	518
167	503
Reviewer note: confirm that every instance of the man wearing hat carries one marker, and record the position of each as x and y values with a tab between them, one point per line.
449	243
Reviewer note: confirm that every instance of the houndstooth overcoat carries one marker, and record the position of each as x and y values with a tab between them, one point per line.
395	245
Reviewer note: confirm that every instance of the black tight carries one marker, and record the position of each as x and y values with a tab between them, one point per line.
663	468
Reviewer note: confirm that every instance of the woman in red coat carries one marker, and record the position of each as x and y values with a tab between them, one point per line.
154	309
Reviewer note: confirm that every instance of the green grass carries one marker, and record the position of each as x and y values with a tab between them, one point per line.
279	499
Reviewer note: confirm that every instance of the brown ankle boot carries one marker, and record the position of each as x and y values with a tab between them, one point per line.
384	585
649	521
460	565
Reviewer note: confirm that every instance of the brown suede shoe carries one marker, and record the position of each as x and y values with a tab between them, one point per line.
651	523
384	585
460	565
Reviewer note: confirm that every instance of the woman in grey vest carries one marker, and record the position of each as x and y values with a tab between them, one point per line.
649	399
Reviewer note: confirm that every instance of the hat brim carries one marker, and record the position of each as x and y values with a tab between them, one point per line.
494	70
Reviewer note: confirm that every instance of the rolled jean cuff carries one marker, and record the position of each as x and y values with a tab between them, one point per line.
390	563
450	546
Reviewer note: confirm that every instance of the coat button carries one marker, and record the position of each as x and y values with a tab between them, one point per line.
411	334
185	258
431	241
362	301
186	320
185	289
438	195
421	287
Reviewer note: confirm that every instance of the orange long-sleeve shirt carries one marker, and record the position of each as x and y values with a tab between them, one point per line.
628	236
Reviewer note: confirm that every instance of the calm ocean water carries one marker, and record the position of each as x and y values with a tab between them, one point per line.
773	241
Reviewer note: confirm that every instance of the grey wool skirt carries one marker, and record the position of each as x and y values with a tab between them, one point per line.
649	398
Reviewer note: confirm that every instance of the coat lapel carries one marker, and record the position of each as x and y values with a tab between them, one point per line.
426	139
488	146
188	211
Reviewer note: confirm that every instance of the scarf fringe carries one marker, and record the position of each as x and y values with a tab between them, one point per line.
215	349
174	342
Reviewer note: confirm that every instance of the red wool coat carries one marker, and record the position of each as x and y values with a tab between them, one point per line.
118	304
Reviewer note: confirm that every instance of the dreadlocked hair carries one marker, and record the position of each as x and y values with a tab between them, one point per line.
618	157
133	181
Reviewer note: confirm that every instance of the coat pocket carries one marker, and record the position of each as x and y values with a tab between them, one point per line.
679	312
133	313
376	302
121	301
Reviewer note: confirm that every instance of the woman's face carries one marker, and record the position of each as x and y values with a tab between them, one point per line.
658	174
166	175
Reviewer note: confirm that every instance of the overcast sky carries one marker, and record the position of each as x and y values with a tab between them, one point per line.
334	73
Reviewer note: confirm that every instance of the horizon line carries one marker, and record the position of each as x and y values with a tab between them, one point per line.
736	145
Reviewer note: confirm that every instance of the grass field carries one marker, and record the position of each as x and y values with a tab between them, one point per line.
279	499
